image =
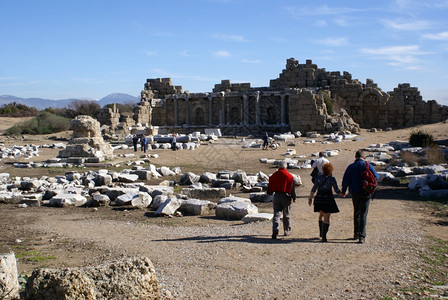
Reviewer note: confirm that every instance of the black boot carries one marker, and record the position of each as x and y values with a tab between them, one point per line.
320	228
325	227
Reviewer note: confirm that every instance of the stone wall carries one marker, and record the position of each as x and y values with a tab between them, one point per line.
293	101
366	103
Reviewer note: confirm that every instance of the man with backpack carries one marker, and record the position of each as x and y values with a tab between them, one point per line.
360	179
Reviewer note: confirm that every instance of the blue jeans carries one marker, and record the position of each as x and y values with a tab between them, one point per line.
361	204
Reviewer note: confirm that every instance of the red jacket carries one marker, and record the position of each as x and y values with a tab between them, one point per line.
281	181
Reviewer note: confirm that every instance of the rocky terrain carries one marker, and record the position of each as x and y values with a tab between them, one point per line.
199	257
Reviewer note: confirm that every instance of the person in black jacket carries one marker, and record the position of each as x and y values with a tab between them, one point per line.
324	202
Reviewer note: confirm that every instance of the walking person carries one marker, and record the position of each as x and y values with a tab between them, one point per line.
173	142
318	163
265	141
324	202
281	184
361	200
143	143
135	142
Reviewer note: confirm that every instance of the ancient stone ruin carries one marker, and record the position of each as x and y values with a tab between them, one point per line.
86	141
303	98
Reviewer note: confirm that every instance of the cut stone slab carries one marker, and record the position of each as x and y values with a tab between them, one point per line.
63	199
257	217
168	207
235	210
204	193
197	207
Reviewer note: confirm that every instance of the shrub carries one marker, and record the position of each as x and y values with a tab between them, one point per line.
15	109
328	101
83	107
421	139
43	123
434	156
410	158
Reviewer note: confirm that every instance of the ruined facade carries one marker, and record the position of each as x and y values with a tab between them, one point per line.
294	101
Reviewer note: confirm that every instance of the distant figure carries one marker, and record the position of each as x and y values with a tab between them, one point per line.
143	143
324	202
173	142
361	200
135	142
281	184
318	163
265	141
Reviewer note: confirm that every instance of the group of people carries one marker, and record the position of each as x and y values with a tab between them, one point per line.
281	185
144	142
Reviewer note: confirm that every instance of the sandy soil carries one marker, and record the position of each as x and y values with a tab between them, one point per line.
204	257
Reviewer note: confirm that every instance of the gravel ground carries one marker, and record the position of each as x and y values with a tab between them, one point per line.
203	257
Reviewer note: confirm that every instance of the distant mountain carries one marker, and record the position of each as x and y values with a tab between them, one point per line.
118	98
41	104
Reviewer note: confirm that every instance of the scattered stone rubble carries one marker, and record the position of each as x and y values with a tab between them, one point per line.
205	194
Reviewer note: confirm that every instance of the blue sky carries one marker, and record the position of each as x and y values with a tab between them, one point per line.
89	49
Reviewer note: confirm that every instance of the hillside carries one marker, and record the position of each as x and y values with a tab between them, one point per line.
41	104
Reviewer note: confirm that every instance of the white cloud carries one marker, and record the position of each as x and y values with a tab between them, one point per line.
151	53
408	26
323	10
221	53
321	23
335	42
248	61
230	38
87	80
398	56
185	54
441	36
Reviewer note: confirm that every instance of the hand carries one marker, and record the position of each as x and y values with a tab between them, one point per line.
346	193
310	200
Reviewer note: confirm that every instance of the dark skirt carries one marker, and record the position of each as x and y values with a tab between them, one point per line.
325	203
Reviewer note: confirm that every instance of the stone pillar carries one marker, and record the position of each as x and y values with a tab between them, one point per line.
187	104
257	109
222	112
210	110
282	110
245	109
176	112
228	114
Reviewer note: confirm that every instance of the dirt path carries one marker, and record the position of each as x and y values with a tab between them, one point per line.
203	257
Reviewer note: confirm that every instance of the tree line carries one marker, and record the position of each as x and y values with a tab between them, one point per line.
52	120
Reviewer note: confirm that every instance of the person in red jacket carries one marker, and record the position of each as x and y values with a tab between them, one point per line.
281	184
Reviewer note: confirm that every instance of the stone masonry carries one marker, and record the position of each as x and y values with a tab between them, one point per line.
295	101
86	140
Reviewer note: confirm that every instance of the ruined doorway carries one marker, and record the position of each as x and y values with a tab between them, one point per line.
370	111
273	115
235	115
199	116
